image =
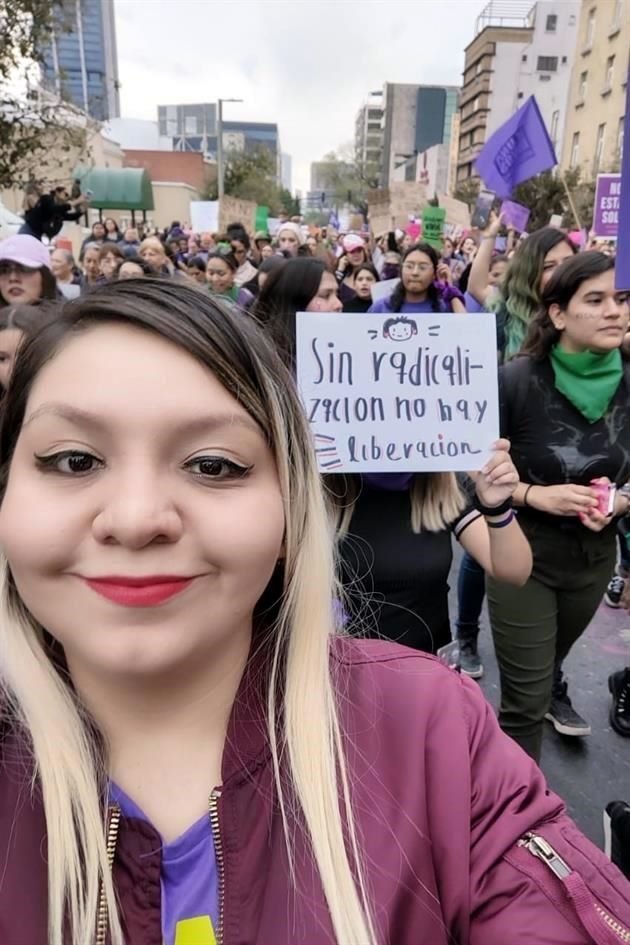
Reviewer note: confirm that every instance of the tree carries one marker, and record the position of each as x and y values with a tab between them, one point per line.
467	191
252	175
32	120
346	179
546	195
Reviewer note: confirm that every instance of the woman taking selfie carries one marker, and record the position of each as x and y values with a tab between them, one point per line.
565	410
189	750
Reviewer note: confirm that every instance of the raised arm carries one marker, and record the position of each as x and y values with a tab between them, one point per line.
478	285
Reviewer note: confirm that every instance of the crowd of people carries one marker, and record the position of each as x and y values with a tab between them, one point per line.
157	474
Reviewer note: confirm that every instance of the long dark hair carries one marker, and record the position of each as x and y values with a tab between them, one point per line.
562	286
399	294
287	290
520	295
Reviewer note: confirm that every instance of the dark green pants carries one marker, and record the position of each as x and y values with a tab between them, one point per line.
535	626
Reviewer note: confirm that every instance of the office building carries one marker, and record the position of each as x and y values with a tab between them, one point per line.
81	63
518	50
418	125
593	138
194	128
368	134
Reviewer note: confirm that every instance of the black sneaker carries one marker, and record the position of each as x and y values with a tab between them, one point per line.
619	686
617	835
614	591
469	661
563	716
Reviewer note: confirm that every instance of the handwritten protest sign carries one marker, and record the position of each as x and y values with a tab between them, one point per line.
432	225
399	393
204	215
606	208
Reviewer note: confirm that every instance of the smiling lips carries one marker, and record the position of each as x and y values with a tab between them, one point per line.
139	592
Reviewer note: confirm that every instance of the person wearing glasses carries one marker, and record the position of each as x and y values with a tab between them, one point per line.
419	290
241	247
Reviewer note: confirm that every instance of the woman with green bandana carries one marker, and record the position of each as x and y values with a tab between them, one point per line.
565	407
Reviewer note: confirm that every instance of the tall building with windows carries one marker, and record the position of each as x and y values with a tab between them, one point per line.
597	99
368	133
194	128
518	50
81	60
419	122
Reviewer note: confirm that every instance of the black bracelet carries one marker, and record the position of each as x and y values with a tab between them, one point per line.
489	510
504	521
525	502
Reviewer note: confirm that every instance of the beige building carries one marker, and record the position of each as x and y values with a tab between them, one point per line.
594	128
520	49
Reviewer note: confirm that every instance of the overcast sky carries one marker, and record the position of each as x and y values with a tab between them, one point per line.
306	64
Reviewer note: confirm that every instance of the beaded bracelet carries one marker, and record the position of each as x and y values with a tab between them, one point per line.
503	522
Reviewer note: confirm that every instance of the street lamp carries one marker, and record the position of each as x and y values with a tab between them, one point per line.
220	141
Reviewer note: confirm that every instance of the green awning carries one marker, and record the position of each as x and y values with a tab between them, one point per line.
117	188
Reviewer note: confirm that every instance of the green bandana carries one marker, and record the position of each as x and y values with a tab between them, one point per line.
588	380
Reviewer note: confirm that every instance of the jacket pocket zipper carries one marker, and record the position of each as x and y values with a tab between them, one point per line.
218	852
540	848
111	839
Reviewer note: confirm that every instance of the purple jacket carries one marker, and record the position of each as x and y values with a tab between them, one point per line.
442	799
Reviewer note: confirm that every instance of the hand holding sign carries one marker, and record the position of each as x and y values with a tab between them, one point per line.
396	393
498	479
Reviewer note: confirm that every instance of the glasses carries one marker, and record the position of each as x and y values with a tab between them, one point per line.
6	268
417	267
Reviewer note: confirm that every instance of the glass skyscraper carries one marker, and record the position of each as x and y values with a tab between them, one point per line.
81	61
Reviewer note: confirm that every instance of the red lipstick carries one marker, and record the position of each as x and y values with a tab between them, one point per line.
149	591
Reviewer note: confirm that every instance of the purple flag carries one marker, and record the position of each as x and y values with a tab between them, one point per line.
518	150
622	267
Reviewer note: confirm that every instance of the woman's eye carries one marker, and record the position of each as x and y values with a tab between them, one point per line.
69	462
216	468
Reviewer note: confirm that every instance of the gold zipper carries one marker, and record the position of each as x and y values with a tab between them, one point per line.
539	847
218	852
113	826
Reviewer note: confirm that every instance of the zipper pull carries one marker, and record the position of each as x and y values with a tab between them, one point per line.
539	847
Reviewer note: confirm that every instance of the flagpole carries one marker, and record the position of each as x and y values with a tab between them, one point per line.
571	203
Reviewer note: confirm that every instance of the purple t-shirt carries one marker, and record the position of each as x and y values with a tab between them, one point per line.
190	882
382	307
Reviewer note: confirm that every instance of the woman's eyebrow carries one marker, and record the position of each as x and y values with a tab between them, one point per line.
84	418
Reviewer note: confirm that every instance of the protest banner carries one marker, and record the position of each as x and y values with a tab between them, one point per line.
622	269
433	225
260	220
606	207
273	225
517	151
393	206
383	289
457	212
233	210
204	216
399	393
380	223
515	215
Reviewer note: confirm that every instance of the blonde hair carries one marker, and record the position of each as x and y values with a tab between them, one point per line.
69	762
436	501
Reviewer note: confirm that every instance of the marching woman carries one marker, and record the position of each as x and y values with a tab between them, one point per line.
26	275
419	290
515	297
190	751
565	410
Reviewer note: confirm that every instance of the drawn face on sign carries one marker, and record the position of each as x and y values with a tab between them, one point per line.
399	329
